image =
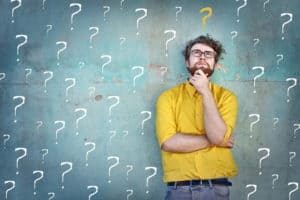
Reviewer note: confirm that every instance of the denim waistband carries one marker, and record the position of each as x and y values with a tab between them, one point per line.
205	182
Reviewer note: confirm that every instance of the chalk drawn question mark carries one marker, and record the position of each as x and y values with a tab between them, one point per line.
130	193
2	76
295	130
95	187
146	119
45	152
276	120
292	156
129	170
63	124
89	151
150	176
117	160
44	1
140	18
262	71
121	4
7	137
64	46
267	150
253	191
276	177
107	9
96	31
19	105
114	133
290	15
265	3
170	39
108	57
256	41
138	75
70	164
52	195
24	150
117	98
239	8
14	8
80	118
49	28
21	44
233	34
73	80
47	79
254	122
280	58
37	179
39	124
179	9
78	5
13	183
294	190
290	87
208	15
28	71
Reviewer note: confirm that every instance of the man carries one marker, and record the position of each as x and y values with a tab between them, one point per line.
194	126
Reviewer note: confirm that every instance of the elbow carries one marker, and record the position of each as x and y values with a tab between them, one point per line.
166	147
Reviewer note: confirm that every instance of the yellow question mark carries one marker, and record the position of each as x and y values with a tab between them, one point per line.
206	9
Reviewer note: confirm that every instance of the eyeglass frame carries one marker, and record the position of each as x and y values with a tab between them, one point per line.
205	53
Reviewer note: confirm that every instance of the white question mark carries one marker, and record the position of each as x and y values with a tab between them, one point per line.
2	76
24	150
29	70
14	8
78	5
275	179
147	118
256	41
80	118
37	179
153	174
11	188
170	39
264	157
107	9
294	190
89	151
280	59
163	72
44	154
257	120
108	57
63	124
123	39
95	187
253	191
7	137
295	130
113	105
70	164
65	44
129	170
121	4
21	44
138	75
290	87
292	156
114	133
49	28
73	80
117	159
140	18
276	120
52	195
40	123
239	8
267	1
179	9
130	194
44	4
262	71
96	29
19	105
290	15
47	79
233	34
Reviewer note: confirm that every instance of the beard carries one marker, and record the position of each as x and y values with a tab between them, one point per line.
206	70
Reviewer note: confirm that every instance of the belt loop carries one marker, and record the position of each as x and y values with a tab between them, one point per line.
210	183
175	185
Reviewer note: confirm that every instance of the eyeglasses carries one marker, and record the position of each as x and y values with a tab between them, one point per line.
198	53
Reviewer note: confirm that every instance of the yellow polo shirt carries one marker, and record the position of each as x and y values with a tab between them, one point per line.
180	110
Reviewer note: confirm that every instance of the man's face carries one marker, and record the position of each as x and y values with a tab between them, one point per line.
201	57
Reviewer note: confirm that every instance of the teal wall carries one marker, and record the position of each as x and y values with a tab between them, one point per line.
78	106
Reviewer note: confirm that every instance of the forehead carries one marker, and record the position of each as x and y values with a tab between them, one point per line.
202	47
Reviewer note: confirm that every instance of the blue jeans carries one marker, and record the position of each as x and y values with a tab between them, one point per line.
198	192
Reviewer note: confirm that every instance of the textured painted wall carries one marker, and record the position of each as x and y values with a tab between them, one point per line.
79	81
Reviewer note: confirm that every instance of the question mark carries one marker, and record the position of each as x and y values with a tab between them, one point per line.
233	34
95	187
70	164
106	11
123	39
239	8
121	4
264	157
29	70
49	78
37	179
147	118
44	154
106	63
170	39
49	28
130	193
113	105
276	120
11	188
275	179
76	12
178	11
153	174
295	189
262	71
52	195
2	76
257	120
22	156
21	44
267	1
6	139
140	18
138	75
205	9
112	166
292	156
256	41
130	169
93	35
13	10
288	90
63	123
87	153
290	15
17	106
280	59
114	133
163	70
73	80
40	123
44	4
298	127
252	192
83	116
60	50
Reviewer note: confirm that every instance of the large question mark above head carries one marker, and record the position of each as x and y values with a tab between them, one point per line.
170	39
253	191
49	28
84	111
130	193
254	122
292	156
239	8
276	177
78	5
294	190
64	44
28	71
208	15
70	164
138	75
52	195
25	37
63	124
24	150
73	83
140	18
267	150
147	118
95	187
290	87
14	8
39	124
265	3
19	105
13	183
179	9
108	57
290	15
7	137
47	79
117	161
93	147
296	127
96	31
262	71
233	34
117	98
129	170
107	9
37	179
154	169
45	152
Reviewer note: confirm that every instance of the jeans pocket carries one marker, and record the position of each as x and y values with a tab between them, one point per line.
221	191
